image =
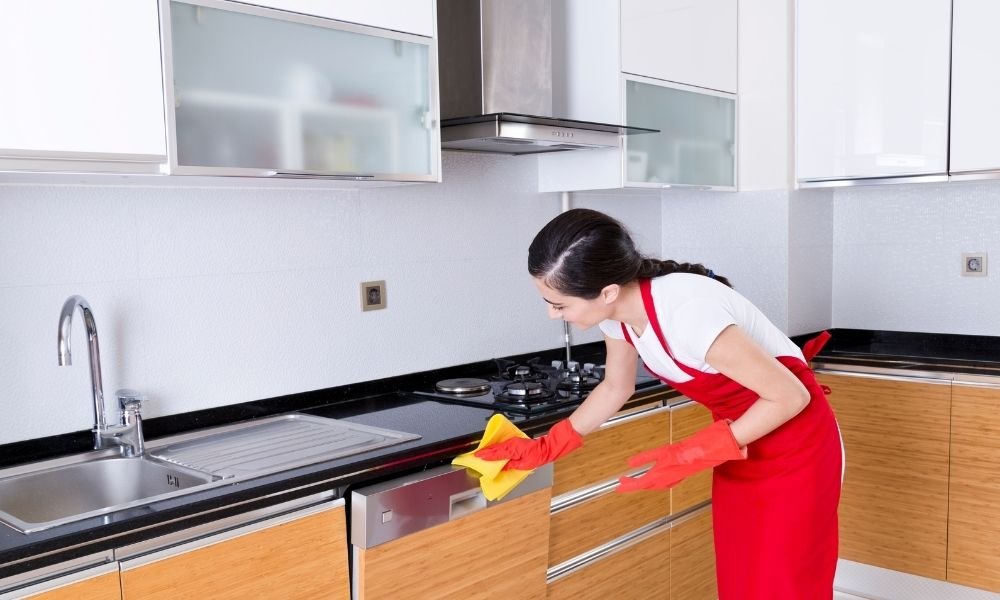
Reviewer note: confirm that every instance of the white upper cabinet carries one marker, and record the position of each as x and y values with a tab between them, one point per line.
872	88
975	86
684	41
696	141
82	86
261	92
410	16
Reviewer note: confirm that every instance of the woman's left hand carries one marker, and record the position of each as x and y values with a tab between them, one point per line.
672	463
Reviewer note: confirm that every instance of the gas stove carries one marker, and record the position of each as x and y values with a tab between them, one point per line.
529	387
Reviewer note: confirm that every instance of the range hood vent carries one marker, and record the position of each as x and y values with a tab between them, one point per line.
495	59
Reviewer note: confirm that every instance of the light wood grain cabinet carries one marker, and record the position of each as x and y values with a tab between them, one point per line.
692	557
974	493
638	571
93	583
894	503
685	421
302	555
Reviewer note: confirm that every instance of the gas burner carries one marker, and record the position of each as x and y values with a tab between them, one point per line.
575	381
464	386
526	392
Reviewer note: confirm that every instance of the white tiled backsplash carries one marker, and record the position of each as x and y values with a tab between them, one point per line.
212	296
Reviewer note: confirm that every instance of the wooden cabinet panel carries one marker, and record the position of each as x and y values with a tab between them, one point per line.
597	521
500	552
692	558
102	587
638	572
305	558
605	452
684	422
894	504
974	496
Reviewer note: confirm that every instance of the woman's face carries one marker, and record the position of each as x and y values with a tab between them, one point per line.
577	311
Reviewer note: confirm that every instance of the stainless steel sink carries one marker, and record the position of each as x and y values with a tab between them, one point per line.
42	495
65	490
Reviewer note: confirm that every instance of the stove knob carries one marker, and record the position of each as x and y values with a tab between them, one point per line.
573	365
557	364
588	367
599	372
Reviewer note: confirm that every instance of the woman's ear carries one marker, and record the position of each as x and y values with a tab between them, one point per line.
610	293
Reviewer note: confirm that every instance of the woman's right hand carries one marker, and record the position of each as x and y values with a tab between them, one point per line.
525	454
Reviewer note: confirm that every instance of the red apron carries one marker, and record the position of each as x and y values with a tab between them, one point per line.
774	514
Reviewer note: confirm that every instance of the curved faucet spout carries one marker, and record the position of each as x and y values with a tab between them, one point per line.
66	358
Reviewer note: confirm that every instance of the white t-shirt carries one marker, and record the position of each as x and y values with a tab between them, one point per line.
692	311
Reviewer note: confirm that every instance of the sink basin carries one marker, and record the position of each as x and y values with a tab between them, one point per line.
41	495
93	484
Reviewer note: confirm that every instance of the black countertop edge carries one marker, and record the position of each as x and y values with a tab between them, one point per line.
915	346
16	453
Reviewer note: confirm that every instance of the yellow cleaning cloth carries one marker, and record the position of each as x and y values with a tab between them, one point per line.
495	482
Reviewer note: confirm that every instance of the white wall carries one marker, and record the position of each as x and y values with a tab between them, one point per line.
810	261
744	236
211	296
897	257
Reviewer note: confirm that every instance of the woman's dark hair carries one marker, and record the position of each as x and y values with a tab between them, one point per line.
581	251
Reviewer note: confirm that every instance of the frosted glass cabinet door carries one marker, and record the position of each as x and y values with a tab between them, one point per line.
258	92
872	82
975	87
696	144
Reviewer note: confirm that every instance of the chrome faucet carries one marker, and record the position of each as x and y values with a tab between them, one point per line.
127	435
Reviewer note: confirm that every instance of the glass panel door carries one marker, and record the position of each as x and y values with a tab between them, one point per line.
696	144
259	91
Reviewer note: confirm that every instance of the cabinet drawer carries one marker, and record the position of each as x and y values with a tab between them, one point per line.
637	572
303	557
684	422
605	452
96	583
583	527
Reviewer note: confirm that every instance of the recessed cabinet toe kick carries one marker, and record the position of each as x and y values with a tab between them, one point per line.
434	535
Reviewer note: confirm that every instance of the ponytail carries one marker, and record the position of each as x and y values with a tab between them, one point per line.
651	267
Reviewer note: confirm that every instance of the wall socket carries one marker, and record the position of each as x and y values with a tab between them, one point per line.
373	295
974	264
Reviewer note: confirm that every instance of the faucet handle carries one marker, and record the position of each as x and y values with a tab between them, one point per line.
129	400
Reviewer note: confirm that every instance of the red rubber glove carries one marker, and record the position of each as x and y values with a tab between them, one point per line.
526	454
709	447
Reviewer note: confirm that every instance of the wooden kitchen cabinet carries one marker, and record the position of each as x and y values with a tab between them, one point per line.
498	552
95	583
638	571
300	555
82	86
894	503
974	493
692	557
605	452
685	421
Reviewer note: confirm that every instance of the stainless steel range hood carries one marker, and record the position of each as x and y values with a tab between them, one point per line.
495	62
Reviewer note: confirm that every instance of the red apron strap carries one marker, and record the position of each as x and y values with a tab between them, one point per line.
646	288
813	346
628	338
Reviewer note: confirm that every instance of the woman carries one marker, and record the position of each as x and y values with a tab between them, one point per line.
774	445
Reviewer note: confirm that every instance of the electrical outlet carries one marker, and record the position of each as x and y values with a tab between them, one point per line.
974	264
373	295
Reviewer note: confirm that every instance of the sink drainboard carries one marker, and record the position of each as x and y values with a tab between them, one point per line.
275	444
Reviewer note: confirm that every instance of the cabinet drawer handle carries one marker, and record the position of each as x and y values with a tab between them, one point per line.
465	503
